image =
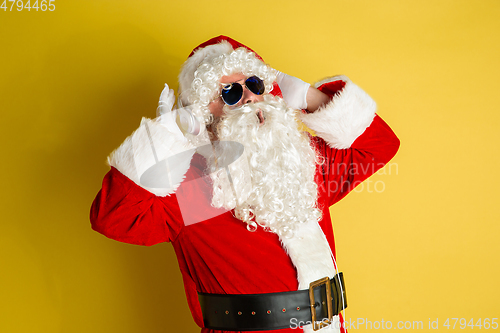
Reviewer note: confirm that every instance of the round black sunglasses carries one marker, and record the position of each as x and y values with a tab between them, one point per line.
232	92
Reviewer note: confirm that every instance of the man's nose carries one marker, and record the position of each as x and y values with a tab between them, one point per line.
248	96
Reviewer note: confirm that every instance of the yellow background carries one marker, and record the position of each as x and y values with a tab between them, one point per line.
75	82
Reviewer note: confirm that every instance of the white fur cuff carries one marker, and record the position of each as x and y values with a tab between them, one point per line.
154	144
345	117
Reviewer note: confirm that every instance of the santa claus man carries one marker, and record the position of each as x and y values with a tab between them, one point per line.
241	193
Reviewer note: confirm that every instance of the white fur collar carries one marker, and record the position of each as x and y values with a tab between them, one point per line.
311	254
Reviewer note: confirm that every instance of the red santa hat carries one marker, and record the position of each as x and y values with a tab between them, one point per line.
210	49
206	52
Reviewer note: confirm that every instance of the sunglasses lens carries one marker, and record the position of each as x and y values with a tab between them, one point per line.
232	94
255	85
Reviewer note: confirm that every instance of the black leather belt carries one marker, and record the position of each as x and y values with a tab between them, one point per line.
324	299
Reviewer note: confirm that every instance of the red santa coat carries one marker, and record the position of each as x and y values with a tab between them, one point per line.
220	255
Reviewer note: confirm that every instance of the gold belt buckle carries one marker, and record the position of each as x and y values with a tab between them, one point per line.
312	285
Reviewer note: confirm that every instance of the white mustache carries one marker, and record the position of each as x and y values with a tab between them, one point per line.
252	116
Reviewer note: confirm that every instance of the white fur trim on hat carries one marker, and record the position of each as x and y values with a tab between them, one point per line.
207	53
345	117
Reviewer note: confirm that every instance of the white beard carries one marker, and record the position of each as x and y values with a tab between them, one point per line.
272	183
